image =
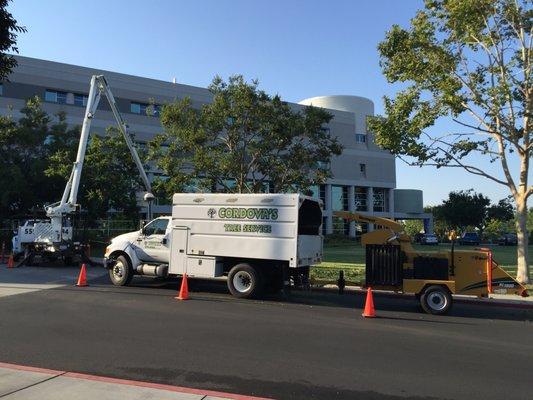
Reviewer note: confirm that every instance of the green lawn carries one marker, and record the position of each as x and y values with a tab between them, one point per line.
350	258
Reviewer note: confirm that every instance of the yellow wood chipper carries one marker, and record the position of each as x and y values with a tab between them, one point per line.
433	276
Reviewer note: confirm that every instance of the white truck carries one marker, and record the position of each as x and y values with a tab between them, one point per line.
259	241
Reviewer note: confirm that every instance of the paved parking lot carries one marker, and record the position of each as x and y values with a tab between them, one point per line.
311	346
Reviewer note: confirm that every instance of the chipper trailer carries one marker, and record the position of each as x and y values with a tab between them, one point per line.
53	237
260	242
433	276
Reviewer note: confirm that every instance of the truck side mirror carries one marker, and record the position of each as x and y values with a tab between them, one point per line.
142	224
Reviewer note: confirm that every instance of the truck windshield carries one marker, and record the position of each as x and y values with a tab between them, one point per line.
309	218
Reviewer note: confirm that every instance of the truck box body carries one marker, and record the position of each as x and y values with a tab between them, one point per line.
210	227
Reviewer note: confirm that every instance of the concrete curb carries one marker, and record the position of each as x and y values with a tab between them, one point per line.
127	382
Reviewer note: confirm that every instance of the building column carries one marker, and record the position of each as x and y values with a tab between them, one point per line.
329	211
391	203
370	205
428	224
351	208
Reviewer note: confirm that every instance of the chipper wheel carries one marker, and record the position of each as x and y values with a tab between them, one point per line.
436	300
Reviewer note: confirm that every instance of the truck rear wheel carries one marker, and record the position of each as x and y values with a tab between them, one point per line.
244	281
121	273
436	300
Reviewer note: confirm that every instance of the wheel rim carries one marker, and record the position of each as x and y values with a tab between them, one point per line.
118	271
242	281
437	301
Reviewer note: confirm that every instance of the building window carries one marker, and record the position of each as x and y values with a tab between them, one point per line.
339	198
380	200
360	138
360	199
322	195
362	169
145	109
324	224
54	96
80	100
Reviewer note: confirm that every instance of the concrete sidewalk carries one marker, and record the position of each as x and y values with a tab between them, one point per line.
29	383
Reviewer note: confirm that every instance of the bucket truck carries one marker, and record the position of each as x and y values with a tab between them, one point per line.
53	237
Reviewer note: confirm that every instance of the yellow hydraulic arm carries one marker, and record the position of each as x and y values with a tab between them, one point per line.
391	234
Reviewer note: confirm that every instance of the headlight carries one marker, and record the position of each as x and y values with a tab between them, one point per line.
107	251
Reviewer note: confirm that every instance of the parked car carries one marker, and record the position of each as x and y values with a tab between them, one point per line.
508	239
429	238
469	238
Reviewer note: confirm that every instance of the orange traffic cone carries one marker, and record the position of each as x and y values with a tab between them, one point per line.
184	290
369	311
82	278
10	263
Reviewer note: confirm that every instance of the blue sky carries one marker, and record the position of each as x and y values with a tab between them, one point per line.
297	48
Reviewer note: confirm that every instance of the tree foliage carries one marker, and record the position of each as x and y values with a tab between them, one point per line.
502	211
8	40
109	180
242	141
36	157
413	226
465	208
468	61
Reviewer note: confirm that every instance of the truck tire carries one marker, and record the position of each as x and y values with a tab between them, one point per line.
245	281
436	300
122	272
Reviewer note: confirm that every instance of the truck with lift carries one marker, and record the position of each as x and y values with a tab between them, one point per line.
52	238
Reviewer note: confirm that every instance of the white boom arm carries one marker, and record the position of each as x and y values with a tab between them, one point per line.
68	204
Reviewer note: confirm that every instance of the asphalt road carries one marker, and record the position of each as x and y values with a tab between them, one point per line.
312	346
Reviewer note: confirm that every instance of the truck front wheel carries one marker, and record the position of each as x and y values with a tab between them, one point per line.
436	299
244	281
121	273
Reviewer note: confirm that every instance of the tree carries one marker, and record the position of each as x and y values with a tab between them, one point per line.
109	181
23	158
496	227
465	208
468	61
36	157
413	226
503	211
8	39
243	141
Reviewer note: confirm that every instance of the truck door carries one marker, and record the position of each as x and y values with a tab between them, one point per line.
153	242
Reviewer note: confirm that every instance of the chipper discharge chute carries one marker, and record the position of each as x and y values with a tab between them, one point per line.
433	276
